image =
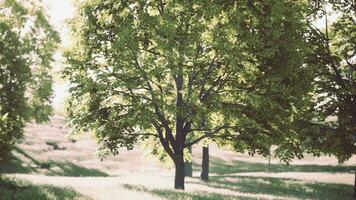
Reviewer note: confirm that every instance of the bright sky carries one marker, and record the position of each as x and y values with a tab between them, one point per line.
59	11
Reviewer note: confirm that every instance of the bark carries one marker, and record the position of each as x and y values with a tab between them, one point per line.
269	160
354	195
205	164
188	165
179	174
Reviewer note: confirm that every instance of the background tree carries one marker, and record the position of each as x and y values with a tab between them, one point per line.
188	164
173	69
332	56
26	47
204	175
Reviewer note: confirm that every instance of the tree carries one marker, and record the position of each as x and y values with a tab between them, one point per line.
177	69
188	164
26	47
332	56
204	175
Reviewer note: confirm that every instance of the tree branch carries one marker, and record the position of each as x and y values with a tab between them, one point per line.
207	133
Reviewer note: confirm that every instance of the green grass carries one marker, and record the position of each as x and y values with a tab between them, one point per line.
180	195
219	166
11	188
282	187
70	169
278	187
15	165
226	178
292	188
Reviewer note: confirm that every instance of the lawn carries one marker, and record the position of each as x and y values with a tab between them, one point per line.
12	188
49	165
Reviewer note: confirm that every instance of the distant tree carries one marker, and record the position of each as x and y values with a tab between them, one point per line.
160	69
204	175
332	55
188	164
27	42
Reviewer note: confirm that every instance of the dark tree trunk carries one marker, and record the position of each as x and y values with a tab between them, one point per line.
188	165
205	164
354	195
269	160
179	175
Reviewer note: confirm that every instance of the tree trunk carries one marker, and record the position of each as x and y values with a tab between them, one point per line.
269	160
354	195
205	164
179	175
188	165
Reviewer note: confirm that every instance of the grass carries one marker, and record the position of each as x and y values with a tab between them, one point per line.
258	186
290	188
11	188
66	168
226	179
219	166
226	183
177	195
70	169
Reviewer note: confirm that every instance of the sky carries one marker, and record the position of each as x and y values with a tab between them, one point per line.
59	11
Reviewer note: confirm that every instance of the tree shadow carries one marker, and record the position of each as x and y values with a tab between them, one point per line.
14	165
71	169
11	188
180	195
51	168
290	188
220	166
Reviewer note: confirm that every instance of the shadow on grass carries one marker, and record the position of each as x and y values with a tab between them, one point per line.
71	169
180	195
52	168
219	166
11	188
278	187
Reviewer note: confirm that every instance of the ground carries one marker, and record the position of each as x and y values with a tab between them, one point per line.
50	165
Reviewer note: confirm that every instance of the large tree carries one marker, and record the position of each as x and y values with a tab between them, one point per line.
27	42
177	69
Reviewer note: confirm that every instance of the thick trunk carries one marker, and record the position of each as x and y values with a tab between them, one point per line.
205	164
188	165
179	175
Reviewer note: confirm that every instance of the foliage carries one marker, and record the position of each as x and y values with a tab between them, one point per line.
26	46
332	56
172	70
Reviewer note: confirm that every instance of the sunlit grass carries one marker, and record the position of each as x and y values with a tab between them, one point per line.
38	155
282	187
50	167
11	188
219	166
177	195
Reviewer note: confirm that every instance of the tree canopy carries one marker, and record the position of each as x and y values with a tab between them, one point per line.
332	56
26	47
198	69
